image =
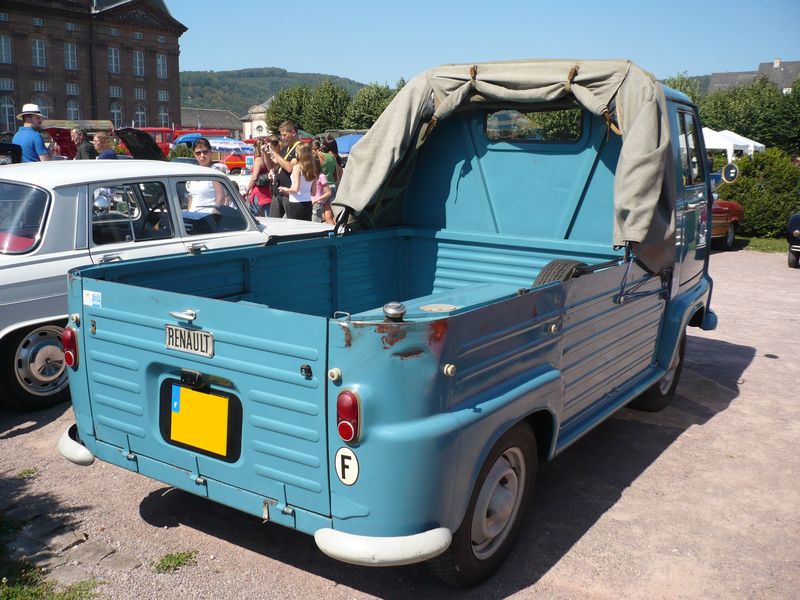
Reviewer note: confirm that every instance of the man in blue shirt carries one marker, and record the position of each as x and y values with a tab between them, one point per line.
28	136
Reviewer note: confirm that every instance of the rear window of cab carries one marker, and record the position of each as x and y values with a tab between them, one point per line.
562	126
22	212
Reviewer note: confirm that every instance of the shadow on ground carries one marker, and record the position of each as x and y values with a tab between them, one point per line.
14	423
572	492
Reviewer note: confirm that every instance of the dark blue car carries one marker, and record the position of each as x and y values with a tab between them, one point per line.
793	235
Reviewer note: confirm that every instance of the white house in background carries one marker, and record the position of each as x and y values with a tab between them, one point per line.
254	124
732	143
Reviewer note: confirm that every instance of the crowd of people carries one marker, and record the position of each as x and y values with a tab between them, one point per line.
290	177
294	178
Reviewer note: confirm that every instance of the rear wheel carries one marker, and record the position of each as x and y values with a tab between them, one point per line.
794	259
495	510
32	369
561	269
660	395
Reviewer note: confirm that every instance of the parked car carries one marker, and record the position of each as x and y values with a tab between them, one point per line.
57	216
793	236
726	216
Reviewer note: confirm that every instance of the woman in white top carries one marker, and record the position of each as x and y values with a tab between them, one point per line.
303	175
206	194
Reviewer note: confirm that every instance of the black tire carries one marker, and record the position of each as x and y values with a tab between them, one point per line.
32	372
659	396
236	171
793	259
505	481
561	269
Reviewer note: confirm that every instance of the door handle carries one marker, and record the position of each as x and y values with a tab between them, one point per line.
109	258
197	247
184	315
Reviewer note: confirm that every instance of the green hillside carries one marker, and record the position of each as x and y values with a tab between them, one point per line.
239	90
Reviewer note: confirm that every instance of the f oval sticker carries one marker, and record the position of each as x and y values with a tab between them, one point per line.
346	465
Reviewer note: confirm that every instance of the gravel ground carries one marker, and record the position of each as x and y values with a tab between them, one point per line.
699	501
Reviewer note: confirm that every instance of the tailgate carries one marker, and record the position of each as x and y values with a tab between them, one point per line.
257	422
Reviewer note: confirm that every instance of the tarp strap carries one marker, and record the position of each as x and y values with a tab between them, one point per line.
610	123
430	127
571	77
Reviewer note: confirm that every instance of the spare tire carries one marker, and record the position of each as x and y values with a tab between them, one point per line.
560	269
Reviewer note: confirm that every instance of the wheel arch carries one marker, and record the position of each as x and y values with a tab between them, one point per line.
13	328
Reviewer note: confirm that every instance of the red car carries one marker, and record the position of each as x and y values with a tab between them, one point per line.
726	216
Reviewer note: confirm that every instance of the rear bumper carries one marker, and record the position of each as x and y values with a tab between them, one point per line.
383	551
71	449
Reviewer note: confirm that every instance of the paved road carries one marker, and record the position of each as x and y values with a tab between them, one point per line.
699	501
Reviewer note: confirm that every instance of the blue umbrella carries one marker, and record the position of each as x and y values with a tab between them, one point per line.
346	142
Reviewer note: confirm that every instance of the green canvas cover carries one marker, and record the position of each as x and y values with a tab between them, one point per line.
644	188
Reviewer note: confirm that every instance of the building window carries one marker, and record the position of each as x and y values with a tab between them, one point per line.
163	116
44	105
161	66
8	120
6	84
139	115
73	112
38	22
115	91
137	35
38	57
162	39
72	89
70	56
113	31
3	16
5	49
69	26
116	114
113	60
139	94
39	86
138	63
163	96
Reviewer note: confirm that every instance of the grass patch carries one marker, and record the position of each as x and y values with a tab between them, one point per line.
763	244
169	563
28	473
20	580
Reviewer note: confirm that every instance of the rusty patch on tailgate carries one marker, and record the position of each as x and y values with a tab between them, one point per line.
408	354
392	333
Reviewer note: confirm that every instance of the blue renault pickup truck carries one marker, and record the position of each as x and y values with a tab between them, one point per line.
519	250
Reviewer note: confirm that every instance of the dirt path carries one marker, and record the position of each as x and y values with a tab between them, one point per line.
699	501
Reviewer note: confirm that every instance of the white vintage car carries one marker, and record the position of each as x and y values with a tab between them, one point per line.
60	215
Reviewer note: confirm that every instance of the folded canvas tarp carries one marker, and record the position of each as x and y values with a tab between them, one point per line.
643	197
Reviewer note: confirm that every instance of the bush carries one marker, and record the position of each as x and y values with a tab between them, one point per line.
768	187
181	150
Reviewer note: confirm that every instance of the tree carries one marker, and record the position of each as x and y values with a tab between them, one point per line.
367	105
757	110
768	187
682	82
288	104
326	107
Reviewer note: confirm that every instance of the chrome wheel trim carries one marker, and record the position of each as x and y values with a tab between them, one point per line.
498	503
39	362
730	236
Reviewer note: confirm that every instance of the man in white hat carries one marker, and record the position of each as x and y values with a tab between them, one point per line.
28	136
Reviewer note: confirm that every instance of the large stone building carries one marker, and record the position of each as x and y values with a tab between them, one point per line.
90	59
782	73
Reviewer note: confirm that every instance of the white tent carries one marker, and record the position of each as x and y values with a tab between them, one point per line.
715	140
750	145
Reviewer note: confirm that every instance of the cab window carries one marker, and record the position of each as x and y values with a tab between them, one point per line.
551	126
208	206
131	212
692	164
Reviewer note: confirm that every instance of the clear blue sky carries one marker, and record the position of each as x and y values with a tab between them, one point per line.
377	41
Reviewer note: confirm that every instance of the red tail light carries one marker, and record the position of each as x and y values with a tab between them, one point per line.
348	413
69	342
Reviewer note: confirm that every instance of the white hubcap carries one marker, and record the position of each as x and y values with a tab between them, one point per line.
498	503
39	362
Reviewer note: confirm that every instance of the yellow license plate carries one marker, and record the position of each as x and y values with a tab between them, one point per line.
196	419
